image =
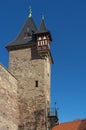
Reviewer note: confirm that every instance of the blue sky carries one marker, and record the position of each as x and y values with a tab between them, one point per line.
67	21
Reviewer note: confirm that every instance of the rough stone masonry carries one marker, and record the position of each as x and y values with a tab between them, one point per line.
8	101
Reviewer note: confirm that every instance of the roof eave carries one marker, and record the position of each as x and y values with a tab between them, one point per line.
21	46
44	32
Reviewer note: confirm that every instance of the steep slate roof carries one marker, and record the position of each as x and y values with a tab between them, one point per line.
29	27
42	29
75	125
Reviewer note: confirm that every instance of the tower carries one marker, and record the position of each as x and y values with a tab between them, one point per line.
30	62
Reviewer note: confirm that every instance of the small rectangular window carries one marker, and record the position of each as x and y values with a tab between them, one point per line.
36	83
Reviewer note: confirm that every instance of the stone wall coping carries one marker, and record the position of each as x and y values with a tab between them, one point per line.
6	70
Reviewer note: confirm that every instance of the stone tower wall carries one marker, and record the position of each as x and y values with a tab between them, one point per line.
8	101
33	101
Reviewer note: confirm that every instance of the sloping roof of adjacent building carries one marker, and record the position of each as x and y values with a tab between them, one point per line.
75	125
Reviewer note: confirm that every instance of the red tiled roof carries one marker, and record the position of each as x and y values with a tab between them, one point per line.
82	125
75	125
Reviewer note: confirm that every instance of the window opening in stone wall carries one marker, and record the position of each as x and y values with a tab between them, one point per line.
36	83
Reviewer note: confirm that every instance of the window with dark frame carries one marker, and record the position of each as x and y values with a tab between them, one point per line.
36	83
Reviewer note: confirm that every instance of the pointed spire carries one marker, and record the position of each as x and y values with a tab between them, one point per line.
30	12
42	27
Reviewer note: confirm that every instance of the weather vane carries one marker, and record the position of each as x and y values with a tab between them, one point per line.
30	12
